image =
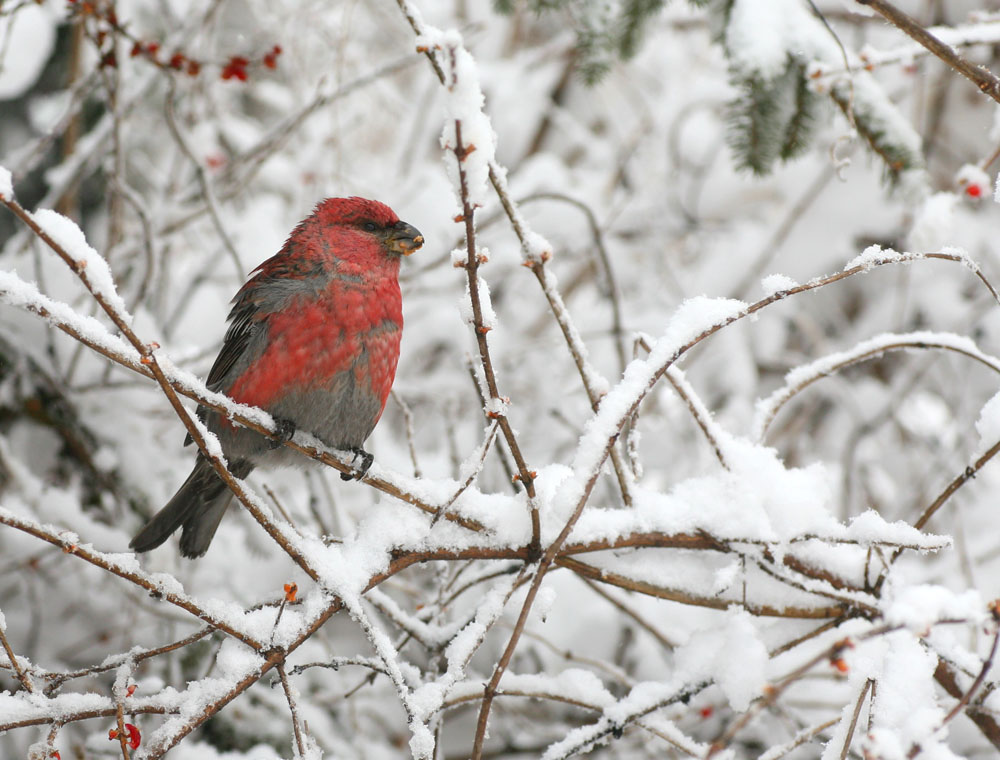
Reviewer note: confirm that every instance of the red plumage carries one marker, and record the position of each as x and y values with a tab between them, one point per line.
314	340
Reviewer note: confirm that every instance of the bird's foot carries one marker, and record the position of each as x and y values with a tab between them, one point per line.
358	472
284	430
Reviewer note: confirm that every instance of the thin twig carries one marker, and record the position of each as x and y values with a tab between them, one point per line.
290	696
408	426
984	79
496	402
22	676
854	719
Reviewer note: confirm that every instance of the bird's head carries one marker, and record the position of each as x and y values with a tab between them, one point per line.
371	218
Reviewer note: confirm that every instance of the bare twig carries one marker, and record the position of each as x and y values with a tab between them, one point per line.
854	719
290	697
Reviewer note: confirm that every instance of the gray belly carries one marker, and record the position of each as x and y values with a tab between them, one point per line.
342	414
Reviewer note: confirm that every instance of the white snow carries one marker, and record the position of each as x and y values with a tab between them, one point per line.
988	424
730	653
798	378
934	223
29	36
6	184
89	263
775	283
971	178
920	606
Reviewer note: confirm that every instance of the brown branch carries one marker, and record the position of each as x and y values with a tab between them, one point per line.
290	697
526	476
122	734
987	82
945	675
987	664
22	676
854	719
788	392
960	480
684	597
74	717
138	579
57	679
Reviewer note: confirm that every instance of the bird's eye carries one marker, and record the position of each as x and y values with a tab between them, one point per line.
370	226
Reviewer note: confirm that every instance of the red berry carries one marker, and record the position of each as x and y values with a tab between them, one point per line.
236	68
974	191
134	737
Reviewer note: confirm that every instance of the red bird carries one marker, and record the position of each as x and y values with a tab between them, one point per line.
314	340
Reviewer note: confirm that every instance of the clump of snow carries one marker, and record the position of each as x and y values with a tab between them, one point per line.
763	55
544	600
988	424
905	711
918	607
464	115
872	256
29	35
933	223
17	292
536	247
6	184
422	740
489	317
870	528
726	577
236	660
496	407
775	283
91	265
732	654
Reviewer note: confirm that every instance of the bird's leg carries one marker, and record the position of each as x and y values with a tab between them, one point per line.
366	462
284	430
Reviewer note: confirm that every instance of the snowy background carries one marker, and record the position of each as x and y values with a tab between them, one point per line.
744	336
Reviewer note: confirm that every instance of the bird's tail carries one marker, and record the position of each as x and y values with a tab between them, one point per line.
197	507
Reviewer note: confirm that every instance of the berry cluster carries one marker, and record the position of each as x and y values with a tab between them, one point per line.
106	27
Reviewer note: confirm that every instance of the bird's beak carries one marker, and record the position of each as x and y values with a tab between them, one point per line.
404	239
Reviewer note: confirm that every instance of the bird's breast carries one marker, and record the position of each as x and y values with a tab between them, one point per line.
350	328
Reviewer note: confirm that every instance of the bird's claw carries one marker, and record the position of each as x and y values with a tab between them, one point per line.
284	430
359	472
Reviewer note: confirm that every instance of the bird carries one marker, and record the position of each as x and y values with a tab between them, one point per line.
313	339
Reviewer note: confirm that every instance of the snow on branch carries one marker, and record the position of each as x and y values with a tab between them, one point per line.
801	377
